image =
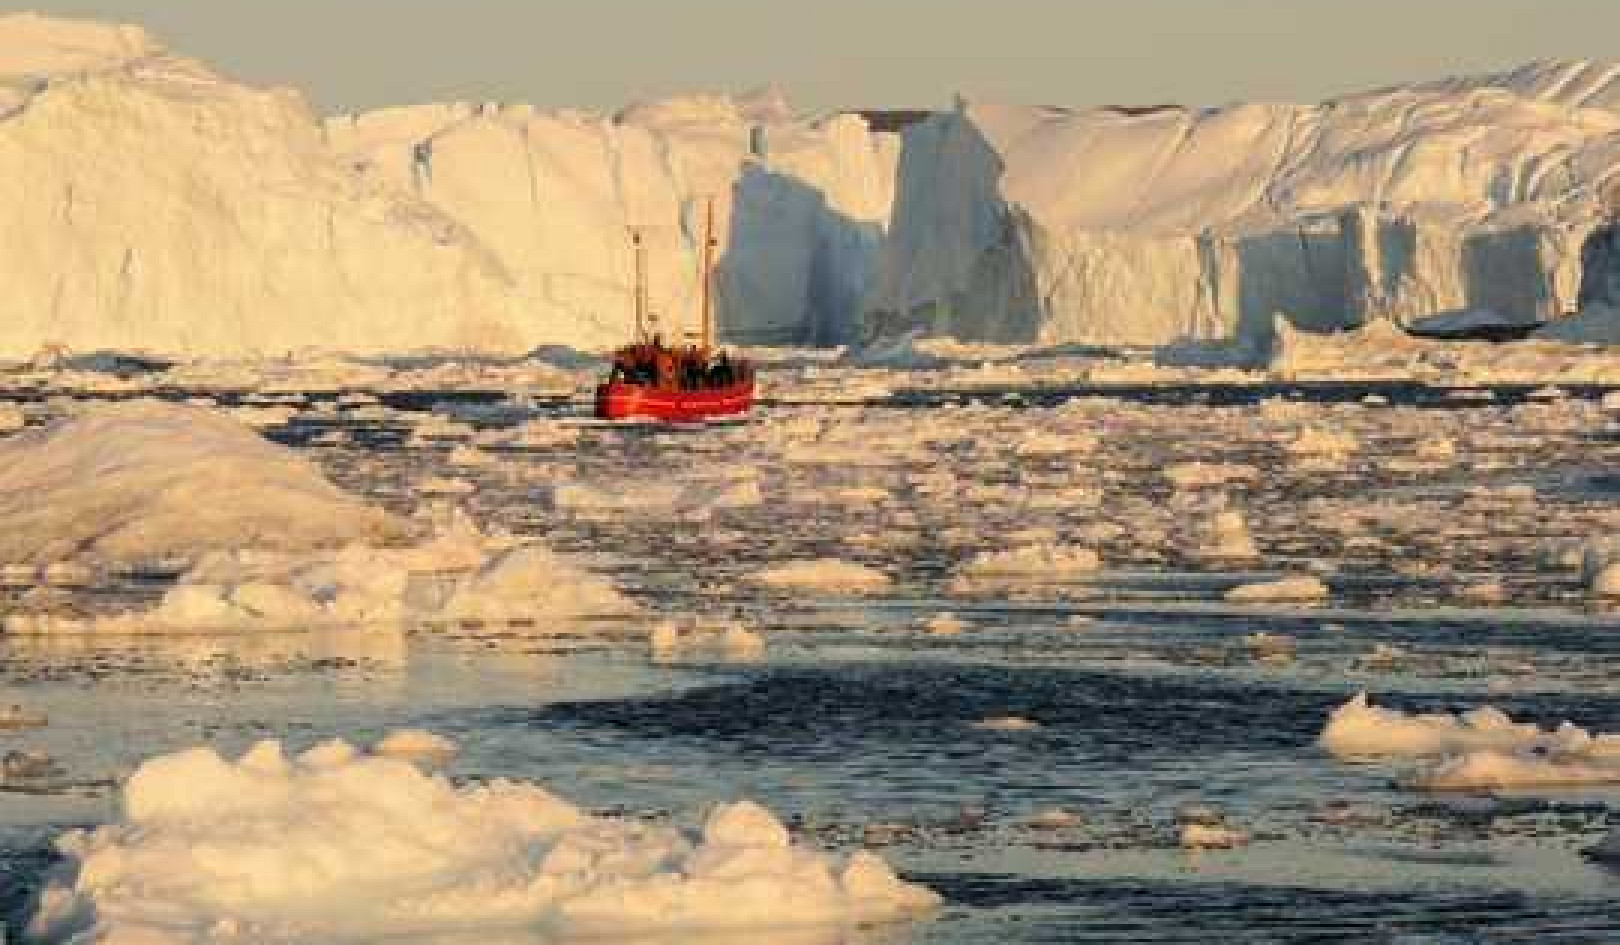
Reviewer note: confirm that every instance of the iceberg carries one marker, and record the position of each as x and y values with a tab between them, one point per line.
1116	226
156	205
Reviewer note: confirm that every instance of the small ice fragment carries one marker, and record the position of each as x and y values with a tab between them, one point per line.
1202	837
443	485
1297	589
1054	818
25	764
829	574
415	744
15	716
1007	723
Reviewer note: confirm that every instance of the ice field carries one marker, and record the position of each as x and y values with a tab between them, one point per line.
1170	524
1081	660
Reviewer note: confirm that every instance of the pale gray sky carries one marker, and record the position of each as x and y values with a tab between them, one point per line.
348	54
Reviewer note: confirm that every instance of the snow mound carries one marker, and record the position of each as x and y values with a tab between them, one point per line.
141	480
333	844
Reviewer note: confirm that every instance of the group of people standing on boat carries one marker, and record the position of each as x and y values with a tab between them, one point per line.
688	367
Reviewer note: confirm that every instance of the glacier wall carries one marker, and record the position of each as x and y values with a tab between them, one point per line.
1024	225
156	205
551	198
153	204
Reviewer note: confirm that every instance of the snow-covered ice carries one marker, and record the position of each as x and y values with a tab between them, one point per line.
1398	204
268	848
830	574
1295	589
138	482
1481	749
1360	729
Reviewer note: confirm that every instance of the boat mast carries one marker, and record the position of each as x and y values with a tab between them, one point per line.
706	274
642	313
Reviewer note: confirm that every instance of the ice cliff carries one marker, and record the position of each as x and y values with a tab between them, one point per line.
551	197
154	204
1046	225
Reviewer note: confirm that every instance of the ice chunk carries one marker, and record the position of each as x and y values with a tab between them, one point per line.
431	231
458	576
1360	729
1288	590
1211	837
1228	539
336	845
1048	561
1007	723
829	574
1314	442
139	481
413	743
1200	224
1491	769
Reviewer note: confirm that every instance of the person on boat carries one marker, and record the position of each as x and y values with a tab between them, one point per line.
665	376
721	374
692	374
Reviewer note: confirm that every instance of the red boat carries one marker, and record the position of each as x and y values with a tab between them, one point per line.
677	385
617	400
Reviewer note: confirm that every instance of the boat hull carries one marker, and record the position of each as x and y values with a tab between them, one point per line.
626	401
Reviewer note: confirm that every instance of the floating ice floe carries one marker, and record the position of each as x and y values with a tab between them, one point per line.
1600	567
1053	818
944	623
1043	561
1194	474
445	486
1489	769
1314	442
673	638
829	574
415	743
1299	589
1360	729
1481	749
459	576
1211	837
1228	539
1040	443
695	499
336	845
1007	723
15	716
